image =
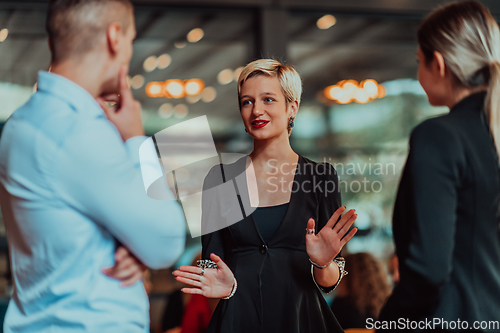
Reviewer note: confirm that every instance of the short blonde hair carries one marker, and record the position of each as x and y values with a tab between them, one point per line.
291	84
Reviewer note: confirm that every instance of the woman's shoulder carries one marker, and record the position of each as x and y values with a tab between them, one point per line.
322	168
438	130
222	172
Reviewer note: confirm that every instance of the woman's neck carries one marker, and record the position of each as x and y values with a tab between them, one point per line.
459	94
277	149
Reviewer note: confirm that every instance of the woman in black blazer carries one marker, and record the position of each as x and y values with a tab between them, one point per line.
446	216
264	262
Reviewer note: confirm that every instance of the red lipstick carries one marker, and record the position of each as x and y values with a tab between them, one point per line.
259	123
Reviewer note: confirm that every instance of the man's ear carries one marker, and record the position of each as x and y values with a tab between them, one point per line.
113	37
441	66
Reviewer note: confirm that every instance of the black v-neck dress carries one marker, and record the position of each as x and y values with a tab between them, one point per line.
276	292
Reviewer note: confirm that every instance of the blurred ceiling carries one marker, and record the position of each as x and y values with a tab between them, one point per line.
371	39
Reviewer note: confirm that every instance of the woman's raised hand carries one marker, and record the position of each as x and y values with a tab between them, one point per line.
327	243
212	283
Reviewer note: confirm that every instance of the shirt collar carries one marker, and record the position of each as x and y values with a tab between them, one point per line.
64	89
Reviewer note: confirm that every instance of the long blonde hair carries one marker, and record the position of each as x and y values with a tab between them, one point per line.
468	37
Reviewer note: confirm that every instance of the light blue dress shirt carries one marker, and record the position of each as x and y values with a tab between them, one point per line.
69	189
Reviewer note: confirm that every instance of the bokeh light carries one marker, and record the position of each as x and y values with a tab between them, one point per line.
154	89
181	110
164	61
225	76
150	63
195	35
166	110
326	22
194	86
209	94
348	91
175	88
191	99
4	33
237	73
137	81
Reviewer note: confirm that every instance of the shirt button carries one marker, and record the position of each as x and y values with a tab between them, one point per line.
263	249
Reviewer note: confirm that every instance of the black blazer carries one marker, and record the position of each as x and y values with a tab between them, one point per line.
276	292
446	222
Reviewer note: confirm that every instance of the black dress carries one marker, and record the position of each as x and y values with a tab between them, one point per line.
446	223
276	292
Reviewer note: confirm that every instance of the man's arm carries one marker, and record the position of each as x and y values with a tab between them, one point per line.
100	177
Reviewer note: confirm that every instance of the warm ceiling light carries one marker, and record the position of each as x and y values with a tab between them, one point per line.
154	89
195	35
191	99
150	63
347	91
164	61
209	94
137	81
3	34
326	22
381	91
237	73
361	96
194	86
175	88
225	76
166	110
371	88
181	110
180	45
332	92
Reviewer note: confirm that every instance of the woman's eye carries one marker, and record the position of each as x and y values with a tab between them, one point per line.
269	99
247	102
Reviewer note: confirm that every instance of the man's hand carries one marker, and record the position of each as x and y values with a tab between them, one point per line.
126	114
128	269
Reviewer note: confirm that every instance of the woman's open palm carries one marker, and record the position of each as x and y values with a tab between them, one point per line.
327	243
213	283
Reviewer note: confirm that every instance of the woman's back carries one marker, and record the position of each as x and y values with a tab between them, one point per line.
446	225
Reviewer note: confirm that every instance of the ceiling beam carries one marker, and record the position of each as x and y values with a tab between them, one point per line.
369	7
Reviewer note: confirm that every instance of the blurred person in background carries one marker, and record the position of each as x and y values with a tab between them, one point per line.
71	185
446	216
270	266
393	266
363	293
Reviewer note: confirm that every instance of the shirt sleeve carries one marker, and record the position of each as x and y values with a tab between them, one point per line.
100	176
425	219
329	201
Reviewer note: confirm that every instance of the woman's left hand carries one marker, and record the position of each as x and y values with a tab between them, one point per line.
327	243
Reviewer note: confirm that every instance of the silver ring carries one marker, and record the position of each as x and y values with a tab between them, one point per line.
310	231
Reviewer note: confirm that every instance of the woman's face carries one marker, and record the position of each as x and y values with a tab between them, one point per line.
263	107
432	79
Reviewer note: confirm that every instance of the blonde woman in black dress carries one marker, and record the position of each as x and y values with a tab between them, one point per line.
270	268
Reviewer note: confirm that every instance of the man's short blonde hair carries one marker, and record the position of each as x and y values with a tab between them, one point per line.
291	84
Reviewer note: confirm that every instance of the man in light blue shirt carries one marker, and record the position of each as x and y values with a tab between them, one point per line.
71	188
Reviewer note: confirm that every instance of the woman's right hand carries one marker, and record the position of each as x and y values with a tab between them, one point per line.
214	283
